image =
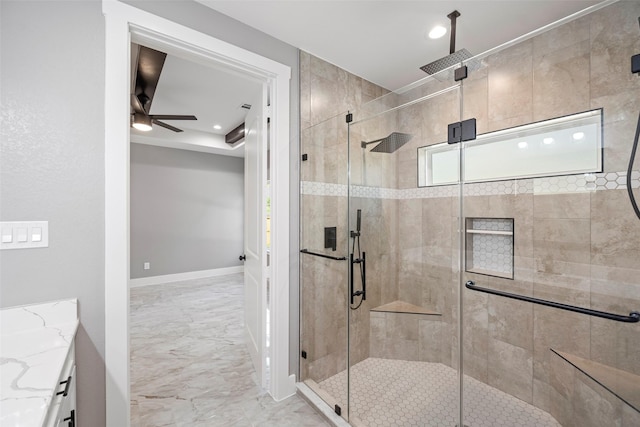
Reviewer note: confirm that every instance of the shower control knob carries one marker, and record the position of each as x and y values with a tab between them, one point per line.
242	257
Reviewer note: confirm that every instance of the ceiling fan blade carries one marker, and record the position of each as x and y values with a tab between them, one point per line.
135	49
172	117
150	63
166	126
137	105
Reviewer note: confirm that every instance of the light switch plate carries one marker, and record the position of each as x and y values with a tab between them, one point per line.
25	234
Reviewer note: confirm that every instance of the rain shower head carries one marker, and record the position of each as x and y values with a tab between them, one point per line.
450	60
454	57
389	144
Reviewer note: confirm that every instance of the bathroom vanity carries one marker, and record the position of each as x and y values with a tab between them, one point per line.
37	364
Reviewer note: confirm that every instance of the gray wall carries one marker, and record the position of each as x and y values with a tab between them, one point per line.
186	210
52	157
52	166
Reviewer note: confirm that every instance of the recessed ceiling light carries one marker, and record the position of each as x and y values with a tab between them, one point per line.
437	32
522	144
547	141
217	127
578	136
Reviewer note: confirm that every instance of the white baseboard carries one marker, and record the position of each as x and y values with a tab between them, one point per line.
168	278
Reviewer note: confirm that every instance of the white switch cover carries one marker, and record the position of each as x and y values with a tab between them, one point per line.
21	232
24	234
146	266
36	234
7	234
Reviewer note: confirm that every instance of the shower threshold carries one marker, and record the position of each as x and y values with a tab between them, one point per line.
389	392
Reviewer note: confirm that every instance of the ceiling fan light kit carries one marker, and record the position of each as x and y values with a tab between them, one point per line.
141	122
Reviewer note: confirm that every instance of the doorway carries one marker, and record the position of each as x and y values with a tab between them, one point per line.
123	25
187	167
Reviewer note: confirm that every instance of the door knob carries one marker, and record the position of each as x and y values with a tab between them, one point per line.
242	257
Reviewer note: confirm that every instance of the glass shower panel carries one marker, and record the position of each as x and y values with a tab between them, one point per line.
404	257
571	238
323	266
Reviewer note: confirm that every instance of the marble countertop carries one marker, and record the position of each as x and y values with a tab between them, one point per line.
34	343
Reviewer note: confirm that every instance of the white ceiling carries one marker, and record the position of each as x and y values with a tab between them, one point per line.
386	42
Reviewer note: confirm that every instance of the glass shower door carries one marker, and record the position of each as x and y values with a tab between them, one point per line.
404	263
323	260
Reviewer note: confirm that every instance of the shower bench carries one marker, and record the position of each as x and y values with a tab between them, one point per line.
623	384
401	330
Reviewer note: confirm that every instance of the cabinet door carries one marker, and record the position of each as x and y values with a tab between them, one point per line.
67	413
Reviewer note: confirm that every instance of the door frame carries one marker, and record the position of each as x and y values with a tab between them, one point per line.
122	23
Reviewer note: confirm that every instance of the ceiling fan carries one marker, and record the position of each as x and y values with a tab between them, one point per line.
145	76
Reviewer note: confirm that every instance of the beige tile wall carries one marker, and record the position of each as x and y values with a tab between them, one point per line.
327	92
406	336
576	248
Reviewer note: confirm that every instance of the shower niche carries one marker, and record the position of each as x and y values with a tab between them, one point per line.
489	246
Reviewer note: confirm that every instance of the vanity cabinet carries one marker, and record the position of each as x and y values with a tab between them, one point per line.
62	411
38	373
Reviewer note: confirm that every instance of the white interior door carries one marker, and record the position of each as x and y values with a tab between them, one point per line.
255	277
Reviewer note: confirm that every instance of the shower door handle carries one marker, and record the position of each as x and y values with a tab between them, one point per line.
363	292
364	277
351	281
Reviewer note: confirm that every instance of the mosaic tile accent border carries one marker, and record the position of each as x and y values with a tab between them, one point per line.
323	189
549	185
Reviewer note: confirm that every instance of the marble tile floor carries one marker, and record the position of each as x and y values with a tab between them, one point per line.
387	392
189	363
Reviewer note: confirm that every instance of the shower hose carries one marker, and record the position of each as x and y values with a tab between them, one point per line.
630	169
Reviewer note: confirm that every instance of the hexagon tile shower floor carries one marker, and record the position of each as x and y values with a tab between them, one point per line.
388	392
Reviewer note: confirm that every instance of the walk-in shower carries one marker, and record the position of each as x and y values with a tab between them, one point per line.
501	272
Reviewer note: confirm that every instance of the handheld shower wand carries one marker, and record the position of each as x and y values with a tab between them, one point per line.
360	260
